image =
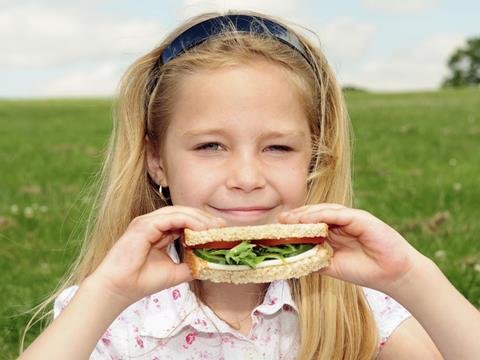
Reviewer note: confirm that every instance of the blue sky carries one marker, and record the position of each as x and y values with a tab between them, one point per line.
54	48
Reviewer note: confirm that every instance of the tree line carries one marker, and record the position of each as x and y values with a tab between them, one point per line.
464	65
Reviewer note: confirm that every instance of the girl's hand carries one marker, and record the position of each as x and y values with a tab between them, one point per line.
367	251
138	263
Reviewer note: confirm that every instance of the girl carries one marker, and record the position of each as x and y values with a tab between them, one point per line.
238	120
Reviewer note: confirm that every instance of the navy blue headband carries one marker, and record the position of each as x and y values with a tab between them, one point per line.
215	26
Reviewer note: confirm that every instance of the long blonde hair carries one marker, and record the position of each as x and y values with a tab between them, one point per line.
335	319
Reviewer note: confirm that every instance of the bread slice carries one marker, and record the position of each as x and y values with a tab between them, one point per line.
201	270
255	232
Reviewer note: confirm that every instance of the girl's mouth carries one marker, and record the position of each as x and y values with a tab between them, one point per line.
245	211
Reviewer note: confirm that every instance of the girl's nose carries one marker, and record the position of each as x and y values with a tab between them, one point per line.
246	173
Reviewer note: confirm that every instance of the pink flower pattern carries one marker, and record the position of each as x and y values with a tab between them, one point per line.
139	341
189	339
106	337
272	301
175	294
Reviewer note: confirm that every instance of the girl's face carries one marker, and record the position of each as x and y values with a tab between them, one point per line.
238	145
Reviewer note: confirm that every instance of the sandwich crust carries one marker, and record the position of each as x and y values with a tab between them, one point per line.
302	267
255	232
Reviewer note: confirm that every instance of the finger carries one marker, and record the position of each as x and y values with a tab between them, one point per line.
182	274
293	215
179	221
208	220
168	239
192	211
315	207
155	228
349	220
161	268
196	213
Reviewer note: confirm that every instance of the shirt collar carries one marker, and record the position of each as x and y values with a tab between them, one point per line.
277	296
179	308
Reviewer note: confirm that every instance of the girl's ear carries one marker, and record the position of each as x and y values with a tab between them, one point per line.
155	166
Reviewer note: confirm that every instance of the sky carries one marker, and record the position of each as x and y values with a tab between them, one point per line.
55	48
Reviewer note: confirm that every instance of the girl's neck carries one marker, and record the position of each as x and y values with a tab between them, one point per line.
231	298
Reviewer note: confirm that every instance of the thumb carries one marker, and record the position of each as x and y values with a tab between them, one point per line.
182	274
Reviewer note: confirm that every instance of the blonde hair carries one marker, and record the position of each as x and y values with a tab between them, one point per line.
335	319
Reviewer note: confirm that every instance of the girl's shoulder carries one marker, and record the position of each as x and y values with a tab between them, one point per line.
388	313
124	335
113	342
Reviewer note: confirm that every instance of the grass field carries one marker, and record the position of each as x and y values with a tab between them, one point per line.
417	167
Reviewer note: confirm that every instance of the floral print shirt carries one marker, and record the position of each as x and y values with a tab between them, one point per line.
171	324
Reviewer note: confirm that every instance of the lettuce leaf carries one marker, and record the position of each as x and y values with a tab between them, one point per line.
251	254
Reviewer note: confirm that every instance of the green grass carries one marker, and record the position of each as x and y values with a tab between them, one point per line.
417	167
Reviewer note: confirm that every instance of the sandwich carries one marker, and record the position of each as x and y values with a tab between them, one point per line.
256	254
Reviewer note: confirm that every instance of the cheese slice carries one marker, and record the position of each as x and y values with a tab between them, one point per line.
266	263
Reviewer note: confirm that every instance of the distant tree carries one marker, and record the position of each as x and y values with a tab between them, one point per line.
353	88
464	65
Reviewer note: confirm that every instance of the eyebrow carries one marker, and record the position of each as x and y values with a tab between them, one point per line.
270	134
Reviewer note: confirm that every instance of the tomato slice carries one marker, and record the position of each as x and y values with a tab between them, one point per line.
265	242
277	242
217	245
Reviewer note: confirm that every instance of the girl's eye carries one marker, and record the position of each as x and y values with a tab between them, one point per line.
281	148
216	146
208	146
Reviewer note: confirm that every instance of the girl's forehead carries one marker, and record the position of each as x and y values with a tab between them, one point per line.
258	97
241	124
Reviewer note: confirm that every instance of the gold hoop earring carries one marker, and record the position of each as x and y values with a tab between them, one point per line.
160	193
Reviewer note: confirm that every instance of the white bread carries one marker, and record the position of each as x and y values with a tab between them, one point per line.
255	232
200	269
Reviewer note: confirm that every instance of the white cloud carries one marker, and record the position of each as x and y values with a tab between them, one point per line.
273	7
420	67
400	6
35	36
345	39
99	81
